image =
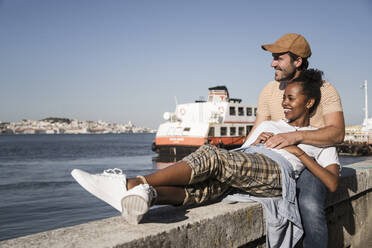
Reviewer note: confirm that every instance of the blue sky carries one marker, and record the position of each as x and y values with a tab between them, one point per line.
127	60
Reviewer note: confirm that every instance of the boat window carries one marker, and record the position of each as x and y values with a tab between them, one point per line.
232	111
255	111
248	130
186	129
249	111
211	132
241	131
232	131
240	111
223	131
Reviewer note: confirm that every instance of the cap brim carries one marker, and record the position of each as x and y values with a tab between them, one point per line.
274	49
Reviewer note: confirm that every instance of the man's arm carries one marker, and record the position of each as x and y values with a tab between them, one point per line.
331	134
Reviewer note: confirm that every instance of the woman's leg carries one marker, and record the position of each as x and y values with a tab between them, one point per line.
173	195
254	173
177	174
191	194
192	180
171	185
205	191
204	164
138	200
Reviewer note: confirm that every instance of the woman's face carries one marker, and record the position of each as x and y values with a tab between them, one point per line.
296	105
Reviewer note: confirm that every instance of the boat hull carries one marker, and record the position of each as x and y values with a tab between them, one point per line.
220	121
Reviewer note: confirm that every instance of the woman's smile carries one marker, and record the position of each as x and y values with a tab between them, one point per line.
295	105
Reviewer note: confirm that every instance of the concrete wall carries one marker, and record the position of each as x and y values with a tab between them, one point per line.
349	211
219	224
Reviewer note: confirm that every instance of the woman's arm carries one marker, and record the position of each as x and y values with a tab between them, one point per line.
328	175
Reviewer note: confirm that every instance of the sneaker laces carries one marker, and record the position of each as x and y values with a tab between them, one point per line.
153	194
115	171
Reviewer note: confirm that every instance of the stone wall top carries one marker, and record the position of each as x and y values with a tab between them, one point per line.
215	225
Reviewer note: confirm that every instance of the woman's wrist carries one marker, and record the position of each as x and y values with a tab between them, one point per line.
301	154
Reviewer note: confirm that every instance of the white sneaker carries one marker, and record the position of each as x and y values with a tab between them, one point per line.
110	186
137	202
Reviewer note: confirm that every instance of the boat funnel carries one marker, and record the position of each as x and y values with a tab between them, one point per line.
218	94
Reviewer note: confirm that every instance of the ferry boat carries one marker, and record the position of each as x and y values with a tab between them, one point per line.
221	121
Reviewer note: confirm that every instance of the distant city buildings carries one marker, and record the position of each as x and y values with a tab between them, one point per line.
69	126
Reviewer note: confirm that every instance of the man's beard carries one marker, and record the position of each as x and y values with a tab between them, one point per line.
287	77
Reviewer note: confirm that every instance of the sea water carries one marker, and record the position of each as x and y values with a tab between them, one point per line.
37	192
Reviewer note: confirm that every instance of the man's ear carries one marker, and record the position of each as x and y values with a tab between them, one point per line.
310	103
298	62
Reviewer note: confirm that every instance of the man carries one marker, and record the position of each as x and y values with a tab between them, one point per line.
290	56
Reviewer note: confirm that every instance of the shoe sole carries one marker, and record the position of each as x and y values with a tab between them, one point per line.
134	207
78	175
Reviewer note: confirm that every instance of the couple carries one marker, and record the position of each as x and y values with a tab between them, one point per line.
261	172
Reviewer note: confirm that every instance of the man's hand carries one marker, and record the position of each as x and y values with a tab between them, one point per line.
262	138
281	140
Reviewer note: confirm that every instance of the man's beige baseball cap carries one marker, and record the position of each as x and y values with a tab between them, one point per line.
294	43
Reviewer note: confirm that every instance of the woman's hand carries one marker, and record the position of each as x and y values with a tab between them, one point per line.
295	150
329	175
262	138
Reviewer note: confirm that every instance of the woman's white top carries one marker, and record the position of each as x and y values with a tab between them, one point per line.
324	156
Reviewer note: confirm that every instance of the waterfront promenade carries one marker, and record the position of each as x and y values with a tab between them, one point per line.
220	224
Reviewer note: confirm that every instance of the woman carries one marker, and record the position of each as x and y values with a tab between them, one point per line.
210	172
